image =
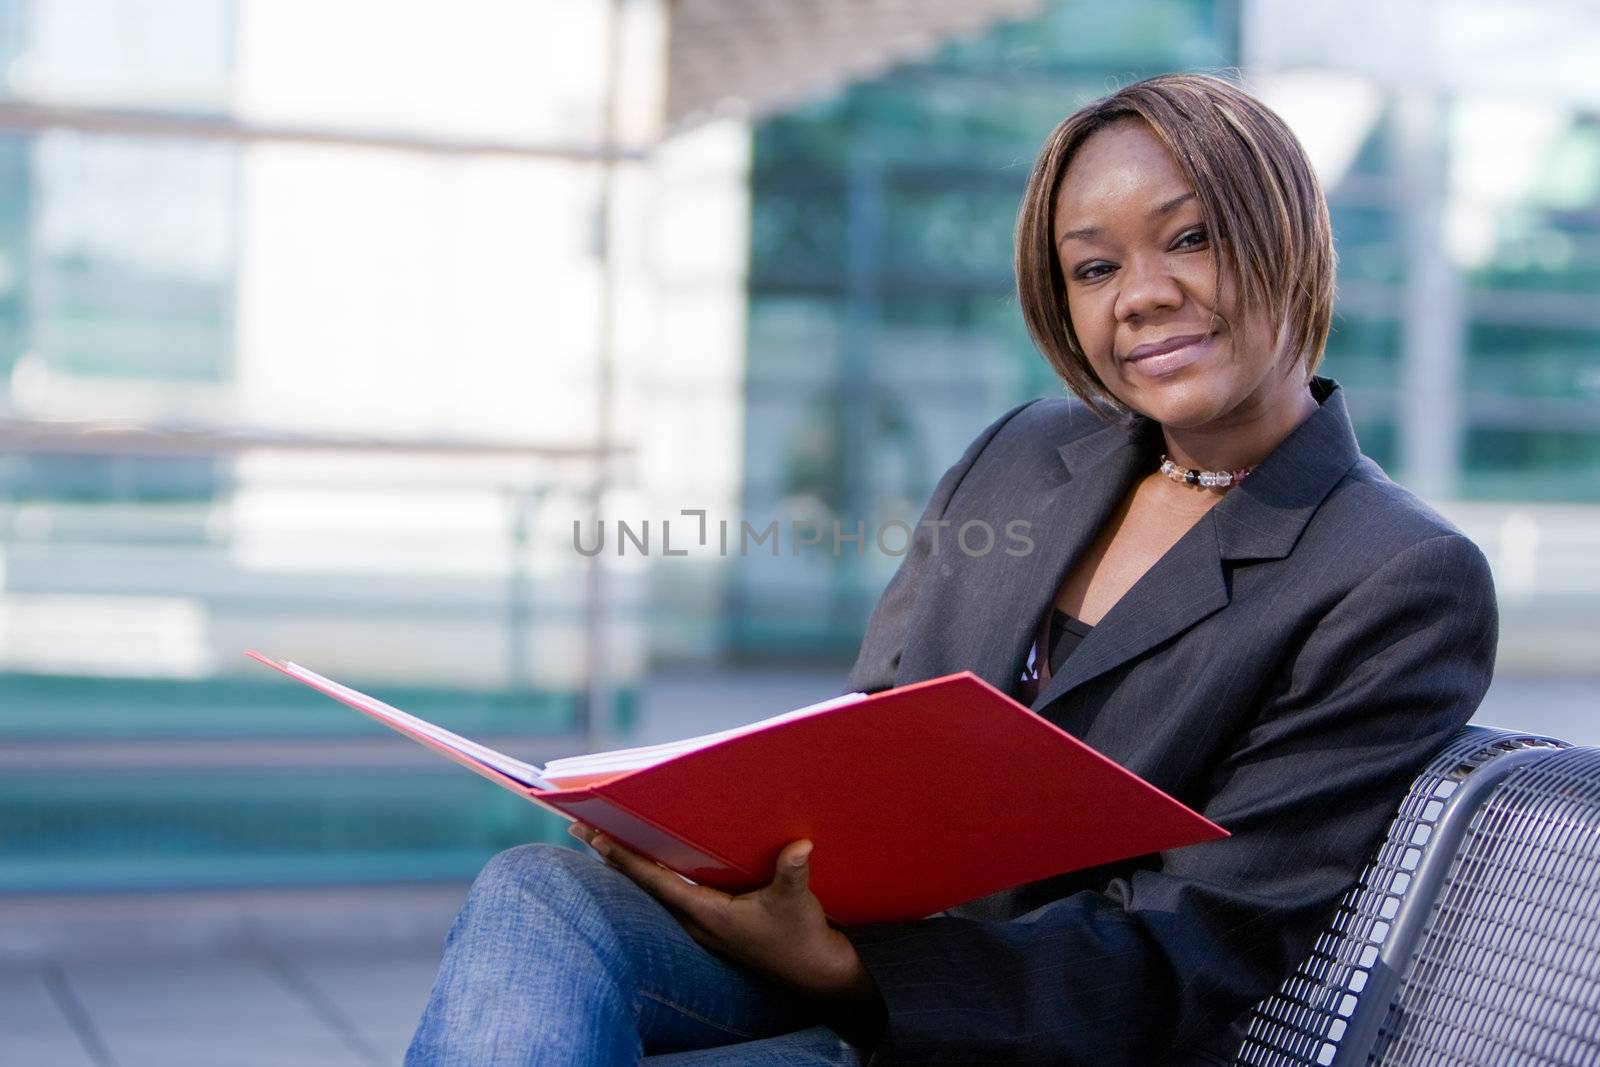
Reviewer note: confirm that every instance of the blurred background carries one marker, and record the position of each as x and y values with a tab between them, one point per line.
325	329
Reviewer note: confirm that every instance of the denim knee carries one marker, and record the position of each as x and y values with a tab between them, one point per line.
544	870
532	962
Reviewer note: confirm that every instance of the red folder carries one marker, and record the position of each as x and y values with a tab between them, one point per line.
915	799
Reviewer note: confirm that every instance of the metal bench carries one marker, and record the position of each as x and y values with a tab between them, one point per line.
1473	935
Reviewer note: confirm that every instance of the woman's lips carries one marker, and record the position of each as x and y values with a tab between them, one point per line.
1169	363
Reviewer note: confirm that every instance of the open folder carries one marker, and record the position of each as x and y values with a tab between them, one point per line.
916	798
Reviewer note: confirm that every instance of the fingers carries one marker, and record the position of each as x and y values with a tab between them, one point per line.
706	914
792	874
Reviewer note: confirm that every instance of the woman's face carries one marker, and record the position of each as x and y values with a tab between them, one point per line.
1141	288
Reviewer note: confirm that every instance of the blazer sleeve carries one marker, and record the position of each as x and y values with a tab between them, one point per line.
1168	956
879	659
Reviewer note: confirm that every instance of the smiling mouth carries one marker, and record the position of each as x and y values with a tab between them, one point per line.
1175	344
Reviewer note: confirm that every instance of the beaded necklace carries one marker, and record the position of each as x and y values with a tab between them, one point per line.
1206	479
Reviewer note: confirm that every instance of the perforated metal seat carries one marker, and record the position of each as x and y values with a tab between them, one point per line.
1473	936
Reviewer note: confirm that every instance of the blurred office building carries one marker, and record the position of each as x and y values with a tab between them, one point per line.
348	332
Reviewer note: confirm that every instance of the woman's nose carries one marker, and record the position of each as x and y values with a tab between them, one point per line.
1147	286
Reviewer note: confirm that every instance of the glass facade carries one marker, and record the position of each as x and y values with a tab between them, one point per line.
1533	336
1525	265
321	332
883	329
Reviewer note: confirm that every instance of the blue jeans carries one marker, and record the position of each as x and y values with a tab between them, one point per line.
557	958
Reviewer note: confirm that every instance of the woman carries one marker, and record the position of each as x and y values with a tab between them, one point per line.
1264	625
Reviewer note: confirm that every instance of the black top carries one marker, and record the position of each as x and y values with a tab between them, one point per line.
1065	634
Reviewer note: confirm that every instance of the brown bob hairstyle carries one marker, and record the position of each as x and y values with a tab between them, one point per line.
1263	208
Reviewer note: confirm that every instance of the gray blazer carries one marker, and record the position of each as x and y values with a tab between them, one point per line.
1286	668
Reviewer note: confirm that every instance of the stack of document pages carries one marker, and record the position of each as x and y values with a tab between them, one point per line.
915	798
576	770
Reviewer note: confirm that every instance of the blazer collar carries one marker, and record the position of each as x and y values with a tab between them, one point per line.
984	618
1263	516
1260	519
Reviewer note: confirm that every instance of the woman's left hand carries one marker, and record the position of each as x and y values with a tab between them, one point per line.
779	930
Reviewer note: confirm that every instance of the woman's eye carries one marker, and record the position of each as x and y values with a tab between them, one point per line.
1195	238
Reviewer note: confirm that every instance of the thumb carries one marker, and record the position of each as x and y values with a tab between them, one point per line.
794	868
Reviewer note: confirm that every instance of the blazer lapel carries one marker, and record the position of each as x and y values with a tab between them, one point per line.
1101	470
982	613
1261	519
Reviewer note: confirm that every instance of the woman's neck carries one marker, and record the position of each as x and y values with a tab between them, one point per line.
1241	441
